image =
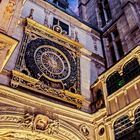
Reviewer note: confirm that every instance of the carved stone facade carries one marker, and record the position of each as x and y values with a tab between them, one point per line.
28	118
51	86
44	90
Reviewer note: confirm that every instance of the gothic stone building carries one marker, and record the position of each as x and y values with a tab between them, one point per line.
119	22
63	77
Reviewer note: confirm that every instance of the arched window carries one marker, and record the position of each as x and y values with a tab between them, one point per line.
114	82
137	118
122	127
107	9
101	14
131	70
104	11
115	45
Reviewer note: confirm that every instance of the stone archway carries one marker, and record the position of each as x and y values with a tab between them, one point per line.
15	134
35	127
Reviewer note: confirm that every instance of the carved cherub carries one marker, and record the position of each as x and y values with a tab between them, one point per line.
41	122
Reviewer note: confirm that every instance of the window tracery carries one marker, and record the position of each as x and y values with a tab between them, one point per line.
104	11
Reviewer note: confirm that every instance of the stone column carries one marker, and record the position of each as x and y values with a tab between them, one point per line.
115	46
102	79
110	131
46	21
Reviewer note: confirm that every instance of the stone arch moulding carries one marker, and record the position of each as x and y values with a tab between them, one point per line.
36	127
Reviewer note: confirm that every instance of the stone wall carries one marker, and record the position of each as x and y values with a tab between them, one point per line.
88	10
43	13
125	16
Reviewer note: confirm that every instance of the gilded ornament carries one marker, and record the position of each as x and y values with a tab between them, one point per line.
84	129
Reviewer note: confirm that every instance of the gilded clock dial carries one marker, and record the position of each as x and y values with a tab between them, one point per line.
52	62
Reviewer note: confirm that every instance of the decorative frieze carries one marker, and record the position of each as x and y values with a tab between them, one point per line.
20	79
37	127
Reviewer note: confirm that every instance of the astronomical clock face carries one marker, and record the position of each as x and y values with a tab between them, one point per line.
51	63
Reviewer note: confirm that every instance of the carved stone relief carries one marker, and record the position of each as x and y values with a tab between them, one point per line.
11	135
8	13
40	123
4	48
7	46
37	127
84	129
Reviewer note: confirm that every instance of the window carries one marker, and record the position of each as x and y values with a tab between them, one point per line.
64	26
137	118
122	127
61	3
119	48
115	45
55	1
114	82
104	11
114	59
131	70
101	13
107	9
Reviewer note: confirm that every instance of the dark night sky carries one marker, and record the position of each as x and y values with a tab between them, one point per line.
73	4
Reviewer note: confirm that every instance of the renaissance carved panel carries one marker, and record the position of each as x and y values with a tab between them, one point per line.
36	127
48	63
51	59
